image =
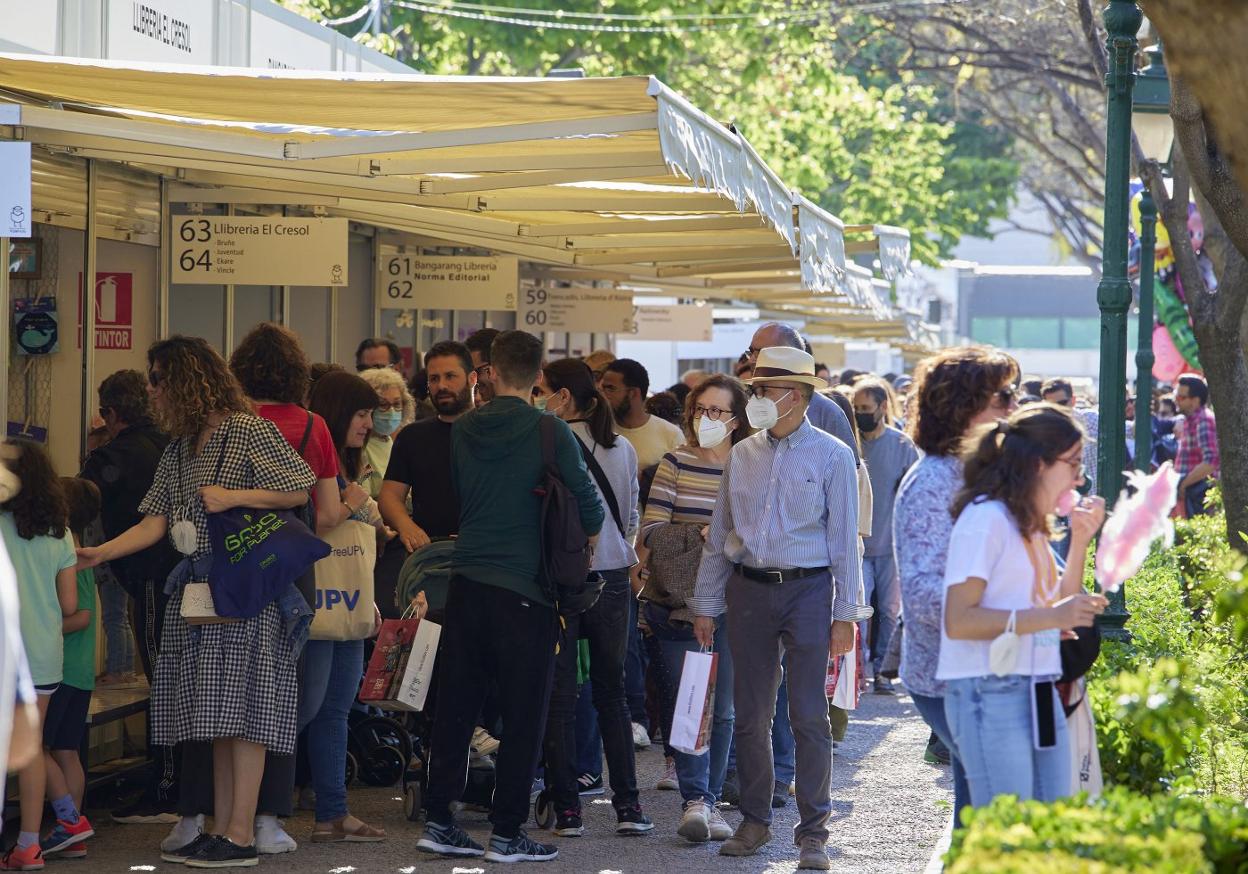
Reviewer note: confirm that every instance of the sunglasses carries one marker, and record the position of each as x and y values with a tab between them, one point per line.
1005	397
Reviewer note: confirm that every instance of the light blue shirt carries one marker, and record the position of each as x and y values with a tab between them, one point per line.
790	503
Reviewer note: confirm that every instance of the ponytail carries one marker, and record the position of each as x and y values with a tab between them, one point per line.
574	375
1003	461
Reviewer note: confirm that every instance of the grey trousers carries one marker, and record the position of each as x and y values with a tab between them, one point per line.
764	622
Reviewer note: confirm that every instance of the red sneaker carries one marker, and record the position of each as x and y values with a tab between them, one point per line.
77	851
22	859
65	835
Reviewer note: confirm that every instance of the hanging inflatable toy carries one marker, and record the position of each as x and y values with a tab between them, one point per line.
1168	292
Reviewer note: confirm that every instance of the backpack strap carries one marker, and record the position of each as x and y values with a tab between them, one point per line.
547	426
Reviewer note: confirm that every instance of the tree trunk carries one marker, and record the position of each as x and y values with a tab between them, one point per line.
1204	43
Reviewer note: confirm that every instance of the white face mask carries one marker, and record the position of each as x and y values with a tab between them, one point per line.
763	413
710	432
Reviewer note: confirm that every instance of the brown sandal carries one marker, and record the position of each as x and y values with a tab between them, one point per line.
364	833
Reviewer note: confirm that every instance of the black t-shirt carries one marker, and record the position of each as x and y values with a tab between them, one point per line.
421	458
124	469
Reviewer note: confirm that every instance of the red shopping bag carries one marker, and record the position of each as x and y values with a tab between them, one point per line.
385	668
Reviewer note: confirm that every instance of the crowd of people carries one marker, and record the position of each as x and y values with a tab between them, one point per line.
782	517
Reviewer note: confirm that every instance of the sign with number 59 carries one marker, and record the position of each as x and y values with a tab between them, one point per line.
587	310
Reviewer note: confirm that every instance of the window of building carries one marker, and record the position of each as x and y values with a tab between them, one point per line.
1035	333
1081	333
991	330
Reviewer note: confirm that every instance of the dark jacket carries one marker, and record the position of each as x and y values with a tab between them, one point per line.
123	469
496	462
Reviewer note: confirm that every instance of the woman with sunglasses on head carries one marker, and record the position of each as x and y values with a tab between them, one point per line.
954	392
682	501
568	391
1007	604
233	682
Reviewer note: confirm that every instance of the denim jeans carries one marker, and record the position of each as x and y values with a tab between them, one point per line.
701	777
331	678
605	626
879	580
990	719
119	640
932	709
635	669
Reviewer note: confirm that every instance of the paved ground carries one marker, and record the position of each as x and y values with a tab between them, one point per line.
889	810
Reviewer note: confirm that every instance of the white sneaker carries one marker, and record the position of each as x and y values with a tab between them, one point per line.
695	822
669	779
720	830
641	737
187	829
271	838
483	743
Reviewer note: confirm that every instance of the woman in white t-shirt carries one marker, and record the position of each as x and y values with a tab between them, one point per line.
1001	580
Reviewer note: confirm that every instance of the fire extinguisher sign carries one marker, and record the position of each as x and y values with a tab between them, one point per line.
114	311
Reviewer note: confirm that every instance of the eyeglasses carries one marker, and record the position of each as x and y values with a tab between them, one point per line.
759	390
752	353
155	378
360	368
388	408
1005	397
1076	464
483	371
712	413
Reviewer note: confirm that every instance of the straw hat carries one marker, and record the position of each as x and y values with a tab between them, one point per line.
785	364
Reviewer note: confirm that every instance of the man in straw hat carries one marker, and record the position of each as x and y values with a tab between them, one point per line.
782	559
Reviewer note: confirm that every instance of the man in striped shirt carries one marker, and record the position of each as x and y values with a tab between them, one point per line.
782	558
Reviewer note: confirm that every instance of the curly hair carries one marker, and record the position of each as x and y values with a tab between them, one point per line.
739	399
270	365
951	389
1003	461
39	508
382	378
196	382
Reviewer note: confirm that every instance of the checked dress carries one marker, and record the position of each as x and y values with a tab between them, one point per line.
233	679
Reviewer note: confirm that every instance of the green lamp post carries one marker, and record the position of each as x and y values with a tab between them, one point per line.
1150	118
1113	294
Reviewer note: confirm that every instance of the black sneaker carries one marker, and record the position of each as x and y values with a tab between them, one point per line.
184	852
448	840
568	824
731	793
144	812
224	853
521	848
590	784
780	795
631	821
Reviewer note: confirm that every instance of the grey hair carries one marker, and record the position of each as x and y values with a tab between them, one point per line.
384	377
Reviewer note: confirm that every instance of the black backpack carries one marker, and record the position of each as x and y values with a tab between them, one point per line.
565	555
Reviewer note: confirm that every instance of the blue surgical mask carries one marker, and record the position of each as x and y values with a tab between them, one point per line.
386	422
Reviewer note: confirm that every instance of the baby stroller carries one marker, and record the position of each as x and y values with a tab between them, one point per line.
428	570
379	747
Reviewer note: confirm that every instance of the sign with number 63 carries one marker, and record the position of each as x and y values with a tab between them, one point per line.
245	250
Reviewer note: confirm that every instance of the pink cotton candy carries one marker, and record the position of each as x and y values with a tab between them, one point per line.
1137	521
1067	502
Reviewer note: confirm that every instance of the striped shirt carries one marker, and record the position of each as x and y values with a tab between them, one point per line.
684	490
789	503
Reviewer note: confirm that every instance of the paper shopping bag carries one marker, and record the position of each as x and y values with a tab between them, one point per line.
344	584
695	703
412	685
394	641
841	685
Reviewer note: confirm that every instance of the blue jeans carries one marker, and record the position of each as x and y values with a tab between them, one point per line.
635	669
331	679
879	580
701	777
932	709
990	719
588	738
118	638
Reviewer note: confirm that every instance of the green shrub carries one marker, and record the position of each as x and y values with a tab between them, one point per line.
1180	833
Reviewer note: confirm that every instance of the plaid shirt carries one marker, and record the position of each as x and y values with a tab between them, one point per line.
1198	442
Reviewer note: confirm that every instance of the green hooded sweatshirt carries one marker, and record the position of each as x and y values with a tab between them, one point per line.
496	462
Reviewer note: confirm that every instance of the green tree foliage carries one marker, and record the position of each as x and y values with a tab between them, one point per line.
883	150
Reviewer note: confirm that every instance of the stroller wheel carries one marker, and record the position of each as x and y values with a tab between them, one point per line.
378	731
411	801
353	768
383	766
543	811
